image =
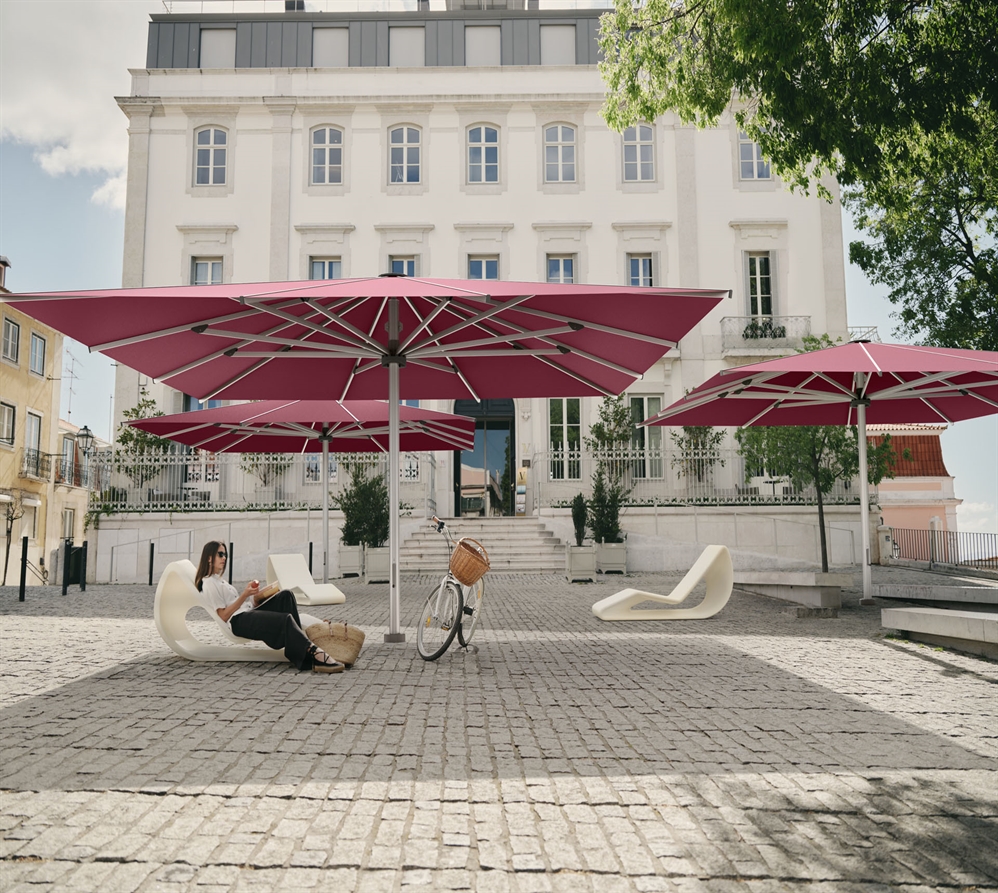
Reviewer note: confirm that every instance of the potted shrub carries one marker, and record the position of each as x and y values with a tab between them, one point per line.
353	502
580	560
604	520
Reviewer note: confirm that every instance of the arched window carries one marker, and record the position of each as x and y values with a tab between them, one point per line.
483	154
639	153
327	156
559	154
404	158
210	156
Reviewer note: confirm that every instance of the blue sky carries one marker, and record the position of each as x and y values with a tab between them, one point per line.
63	146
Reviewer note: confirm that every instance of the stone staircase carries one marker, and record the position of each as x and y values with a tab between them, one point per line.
515	545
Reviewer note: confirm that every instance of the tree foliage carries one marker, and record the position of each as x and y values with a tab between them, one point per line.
137	451
267	468
608	440
364	503
895	98
699	449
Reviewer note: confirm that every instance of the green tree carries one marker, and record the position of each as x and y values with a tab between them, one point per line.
364	503
267	468
604	506
610	436
699	449
12	511
868	91
137	453
815	456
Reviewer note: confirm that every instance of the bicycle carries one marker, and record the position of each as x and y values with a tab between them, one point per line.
454	605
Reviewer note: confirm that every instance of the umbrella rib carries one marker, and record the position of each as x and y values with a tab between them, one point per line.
473	320
340	349
543	334
316	328
600	327
350	327
577	377
236	379
425	322
172	330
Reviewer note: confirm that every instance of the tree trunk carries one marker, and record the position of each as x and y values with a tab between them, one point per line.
816	469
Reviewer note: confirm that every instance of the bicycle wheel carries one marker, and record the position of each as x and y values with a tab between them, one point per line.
472	611
440	620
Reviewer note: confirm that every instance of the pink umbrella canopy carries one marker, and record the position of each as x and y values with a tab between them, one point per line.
330	340
301	426
348	339
310	426
850	384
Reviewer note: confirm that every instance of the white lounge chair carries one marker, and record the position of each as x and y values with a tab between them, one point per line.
176	594
713	567
291	572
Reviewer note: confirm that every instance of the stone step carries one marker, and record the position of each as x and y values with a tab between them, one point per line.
975	632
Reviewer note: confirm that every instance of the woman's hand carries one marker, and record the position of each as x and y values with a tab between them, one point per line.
252	588
249	592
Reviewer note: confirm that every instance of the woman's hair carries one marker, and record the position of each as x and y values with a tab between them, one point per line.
207	561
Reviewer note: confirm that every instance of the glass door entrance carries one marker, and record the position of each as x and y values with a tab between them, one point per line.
484	478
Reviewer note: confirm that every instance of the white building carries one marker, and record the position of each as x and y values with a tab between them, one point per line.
454	143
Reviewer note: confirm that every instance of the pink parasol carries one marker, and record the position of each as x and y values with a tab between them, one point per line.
850	384
347	339
310	426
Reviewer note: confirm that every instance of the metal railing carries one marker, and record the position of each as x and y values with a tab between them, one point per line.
863	333
35	464
200	481
669	476
952	547
756	333
71	472
273	7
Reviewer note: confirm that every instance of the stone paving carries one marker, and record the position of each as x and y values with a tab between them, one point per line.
755	751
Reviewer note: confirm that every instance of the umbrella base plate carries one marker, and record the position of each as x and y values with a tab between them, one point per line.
392	638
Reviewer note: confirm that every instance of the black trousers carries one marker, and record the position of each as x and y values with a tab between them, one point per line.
276	623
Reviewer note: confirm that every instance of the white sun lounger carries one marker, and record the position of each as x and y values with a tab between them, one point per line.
291	572
713	567
176	594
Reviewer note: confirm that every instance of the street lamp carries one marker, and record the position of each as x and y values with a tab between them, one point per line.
85	440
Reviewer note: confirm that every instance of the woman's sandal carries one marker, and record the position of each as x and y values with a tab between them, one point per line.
324	664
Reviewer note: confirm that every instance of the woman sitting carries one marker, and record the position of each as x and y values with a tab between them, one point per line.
273	620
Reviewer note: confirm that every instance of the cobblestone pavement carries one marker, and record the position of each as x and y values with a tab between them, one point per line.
755	751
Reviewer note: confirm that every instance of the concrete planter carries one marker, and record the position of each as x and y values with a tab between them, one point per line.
580	563
376	564
351	561
611	558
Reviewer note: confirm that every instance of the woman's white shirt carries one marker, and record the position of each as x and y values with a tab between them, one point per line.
220	594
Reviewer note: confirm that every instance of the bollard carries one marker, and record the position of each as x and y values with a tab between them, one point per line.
24	568
152	555
65	565
83	568
310	557
230	564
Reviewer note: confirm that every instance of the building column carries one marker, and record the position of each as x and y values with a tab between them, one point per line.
280	189
139	112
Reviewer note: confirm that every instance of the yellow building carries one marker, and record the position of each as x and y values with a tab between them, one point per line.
41	492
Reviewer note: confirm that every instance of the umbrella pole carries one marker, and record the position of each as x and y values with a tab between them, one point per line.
394	633
325	508
864	507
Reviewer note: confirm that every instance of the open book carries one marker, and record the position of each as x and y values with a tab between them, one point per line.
266	592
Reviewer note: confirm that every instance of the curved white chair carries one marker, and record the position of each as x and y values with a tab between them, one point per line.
176	594
713	567
291	571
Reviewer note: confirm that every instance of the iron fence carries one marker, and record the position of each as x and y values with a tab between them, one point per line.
201	481
953	547
674	477
35	464
763	333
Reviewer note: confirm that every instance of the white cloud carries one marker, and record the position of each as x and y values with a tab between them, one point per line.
62	62
977	517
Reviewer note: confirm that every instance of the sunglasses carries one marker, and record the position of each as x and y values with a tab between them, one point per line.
222	554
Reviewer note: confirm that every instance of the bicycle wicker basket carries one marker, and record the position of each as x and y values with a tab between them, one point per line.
469	561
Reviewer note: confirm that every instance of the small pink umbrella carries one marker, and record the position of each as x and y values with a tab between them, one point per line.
347	339
850	384
311	426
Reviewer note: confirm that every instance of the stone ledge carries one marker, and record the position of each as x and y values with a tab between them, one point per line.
810	588
975	632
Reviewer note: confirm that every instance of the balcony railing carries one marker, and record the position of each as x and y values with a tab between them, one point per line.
72	473
863	333
201	481
35	464
671	477
949	547
761	334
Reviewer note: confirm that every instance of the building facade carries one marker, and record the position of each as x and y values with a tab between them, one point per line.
460	143
42	488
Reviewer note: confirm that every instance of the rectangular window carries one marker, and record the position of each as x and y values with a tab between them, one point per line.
11	340
7	415
639	155
404	265
557	44
209	156
330	47
483	154
403	155
559	154
760	284
325	268
68	523
639	269
751	164
482	45
218	48
647	442
37	359
67	462
33	432
561	268
406	47
565	438
206	271
313	468
29	523
483	267
192	404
